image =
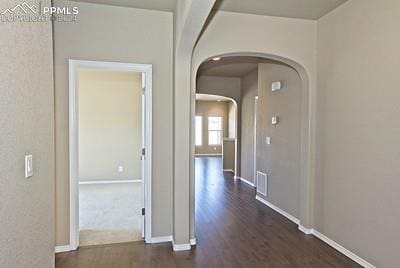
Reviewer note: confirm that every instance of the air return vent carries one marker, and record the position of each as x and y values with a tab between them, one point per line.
262	183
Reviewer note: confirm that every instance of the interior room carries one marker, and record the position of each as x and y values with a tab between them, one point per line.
199	133
109	165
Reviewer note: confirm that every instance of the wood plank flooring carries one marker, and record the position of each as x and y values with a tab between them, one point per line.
232	230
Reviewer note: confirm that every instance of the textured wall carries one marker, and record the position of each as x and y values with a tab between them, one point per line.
281	159
107	33
228	154
248	93
26	127
359	129
232	124
219	85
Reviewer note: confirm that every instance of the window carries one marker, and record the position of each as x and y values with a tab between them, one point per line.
214	130
199	131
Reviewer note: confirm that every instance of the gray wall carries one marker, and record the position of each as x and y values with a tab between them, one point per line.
108	33
206	109
357	191
281	159
219	85
27	127
232	120
228	154
249	89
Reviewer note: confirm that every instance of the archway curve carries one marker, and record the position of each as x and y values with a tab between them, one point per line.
306	138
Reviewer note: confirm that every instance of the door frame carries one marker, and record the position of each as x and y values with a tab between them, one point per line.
74	67
255	142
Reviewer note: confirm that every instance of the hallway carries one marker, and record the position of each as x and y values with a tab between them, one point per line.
232	229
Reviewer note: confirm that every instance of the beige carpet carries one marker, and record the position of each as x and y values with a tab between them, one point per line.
101	237
110	213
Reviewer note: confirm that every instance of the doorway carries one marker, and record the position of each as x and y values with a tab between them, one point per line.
110	152
216	130
274	154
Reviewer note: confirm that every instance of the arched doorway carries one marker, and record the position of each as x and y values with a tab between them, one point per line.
305	136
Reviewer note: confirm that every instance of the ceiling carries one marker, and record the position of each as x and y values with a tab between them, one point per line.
237	66
208	97
306	9
162	5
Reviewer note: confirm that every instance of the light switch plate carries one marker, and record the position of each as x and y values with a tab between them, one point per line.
28	166
268	140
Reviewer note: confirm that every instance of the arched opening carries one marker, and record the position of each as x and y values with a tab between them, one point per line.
211	141
303	212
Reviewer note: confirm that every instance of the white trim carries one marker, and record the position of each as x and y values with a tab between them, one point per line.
310	231
73	156
65	248
255	139
280	211
181	247
74	67
229	170
305	230
108	181
193	241
246	181
161	239
342	250
208	155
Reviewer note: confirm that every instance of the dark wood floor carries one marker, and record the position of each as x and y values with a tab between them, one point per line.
232	229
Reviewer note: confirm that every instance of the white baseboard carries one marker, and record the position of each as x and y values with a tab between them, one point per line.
305	230
280	211
153	240
193	241
161	239
311	231
342	250
181	247
108	181
65	248
246	181
229	170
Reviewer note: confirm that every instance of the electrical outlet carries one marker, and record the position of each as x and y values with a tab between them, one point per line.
120	169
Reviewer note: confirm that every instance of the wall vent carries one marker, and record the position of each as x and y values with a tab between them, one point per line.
262	183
